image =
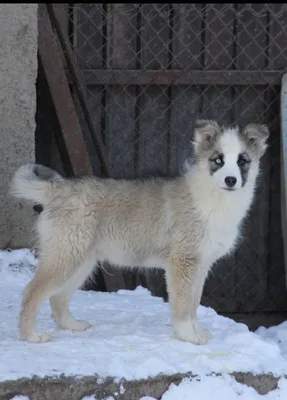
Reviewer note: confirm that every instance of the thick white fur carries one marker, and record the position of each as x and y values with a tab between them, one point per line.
35	188
182	225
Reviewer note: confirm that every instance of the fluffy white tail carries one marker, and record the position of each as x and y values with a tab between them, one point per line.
33	182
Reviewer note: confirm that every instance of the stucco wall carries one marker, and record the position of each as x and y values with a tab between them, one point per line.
18	72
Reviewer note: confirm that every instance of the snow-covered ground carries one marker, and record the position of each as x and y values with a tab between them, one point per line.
131	338
207	388
218	388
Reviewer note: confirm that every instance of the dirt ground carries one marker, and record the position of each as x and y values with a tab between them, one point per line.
73	388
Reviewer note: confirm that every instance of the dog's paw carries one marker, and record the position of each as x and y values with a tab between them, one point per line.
80	325
189	331
36	337
75	325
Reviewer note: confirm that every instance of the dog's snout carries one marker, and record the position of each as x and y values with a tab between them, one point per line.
230	181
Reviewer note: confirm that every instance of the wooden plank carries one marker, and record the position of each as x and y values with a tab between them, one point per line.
219	37
184	111
181	77
250	106
93	36
79	88
62	12
153	141
153	105
94	97
120	131
276	273
251	268
155	36
251	41
51	59
115	280
153	132
277	56
89	44
153	155
283	156
90	35
120	106
185	100
216	104
187	44
120	101
122	36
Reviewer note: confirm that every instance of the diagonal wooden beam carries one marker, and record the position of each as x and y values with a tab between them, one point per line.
79	87
61	95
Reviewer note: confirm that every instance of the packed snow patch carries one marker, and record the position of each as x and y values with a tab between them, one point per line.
219	388
20	398
131	336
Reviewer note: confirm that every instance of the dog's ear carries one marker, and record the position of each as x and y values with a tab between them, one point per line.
205	134
256	136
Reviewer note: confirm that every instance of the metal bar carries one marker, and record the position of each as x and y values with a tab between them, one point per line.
284	167
178	77
61	96
79	88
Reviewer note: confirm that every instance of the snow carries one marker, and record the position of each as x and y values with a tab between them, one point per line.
131	338
93	398
219	388
22	398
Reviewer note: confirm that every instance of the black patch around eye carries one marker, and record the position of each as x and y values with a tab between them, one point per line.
243	163
243	160
215	163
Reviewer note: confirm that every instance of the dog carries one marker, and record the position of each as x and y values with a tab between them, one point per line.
182	225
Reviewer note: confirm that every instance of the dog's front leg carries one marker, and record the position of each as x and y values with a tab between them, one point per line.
185	280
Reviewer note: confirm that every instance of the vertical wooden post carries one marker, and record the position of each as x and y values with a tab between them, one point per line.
284	166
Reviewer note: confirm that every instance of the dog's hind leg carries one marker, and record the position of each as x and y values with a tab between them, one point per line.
60	302
50	279
41	287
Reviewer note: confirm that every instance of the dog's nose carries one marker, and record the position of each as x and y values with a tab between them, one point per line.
230	181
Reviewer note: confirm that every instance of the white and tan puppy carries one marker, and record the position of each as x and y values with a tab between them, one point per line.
182	225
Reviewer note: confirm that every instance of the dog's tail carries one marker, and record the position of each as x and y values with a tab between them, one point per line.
33	182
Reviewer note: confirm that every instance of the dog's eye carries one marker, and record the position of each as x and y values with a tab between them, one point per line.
218	161
242	161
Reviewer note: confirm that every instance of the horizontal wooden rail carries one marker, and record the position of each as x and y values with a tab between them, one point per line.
181	77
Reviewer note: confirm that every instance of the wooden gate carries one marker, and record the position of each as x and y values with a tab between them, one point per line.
150	70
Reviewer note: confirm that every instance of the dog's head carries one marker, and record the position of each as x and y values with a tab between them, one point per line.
230	155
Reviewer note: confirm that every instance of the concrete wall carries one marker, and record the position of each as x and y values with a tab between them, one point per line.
18	73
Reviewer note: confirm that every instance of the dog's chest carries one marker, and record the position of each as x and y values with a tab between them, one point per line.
219	239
